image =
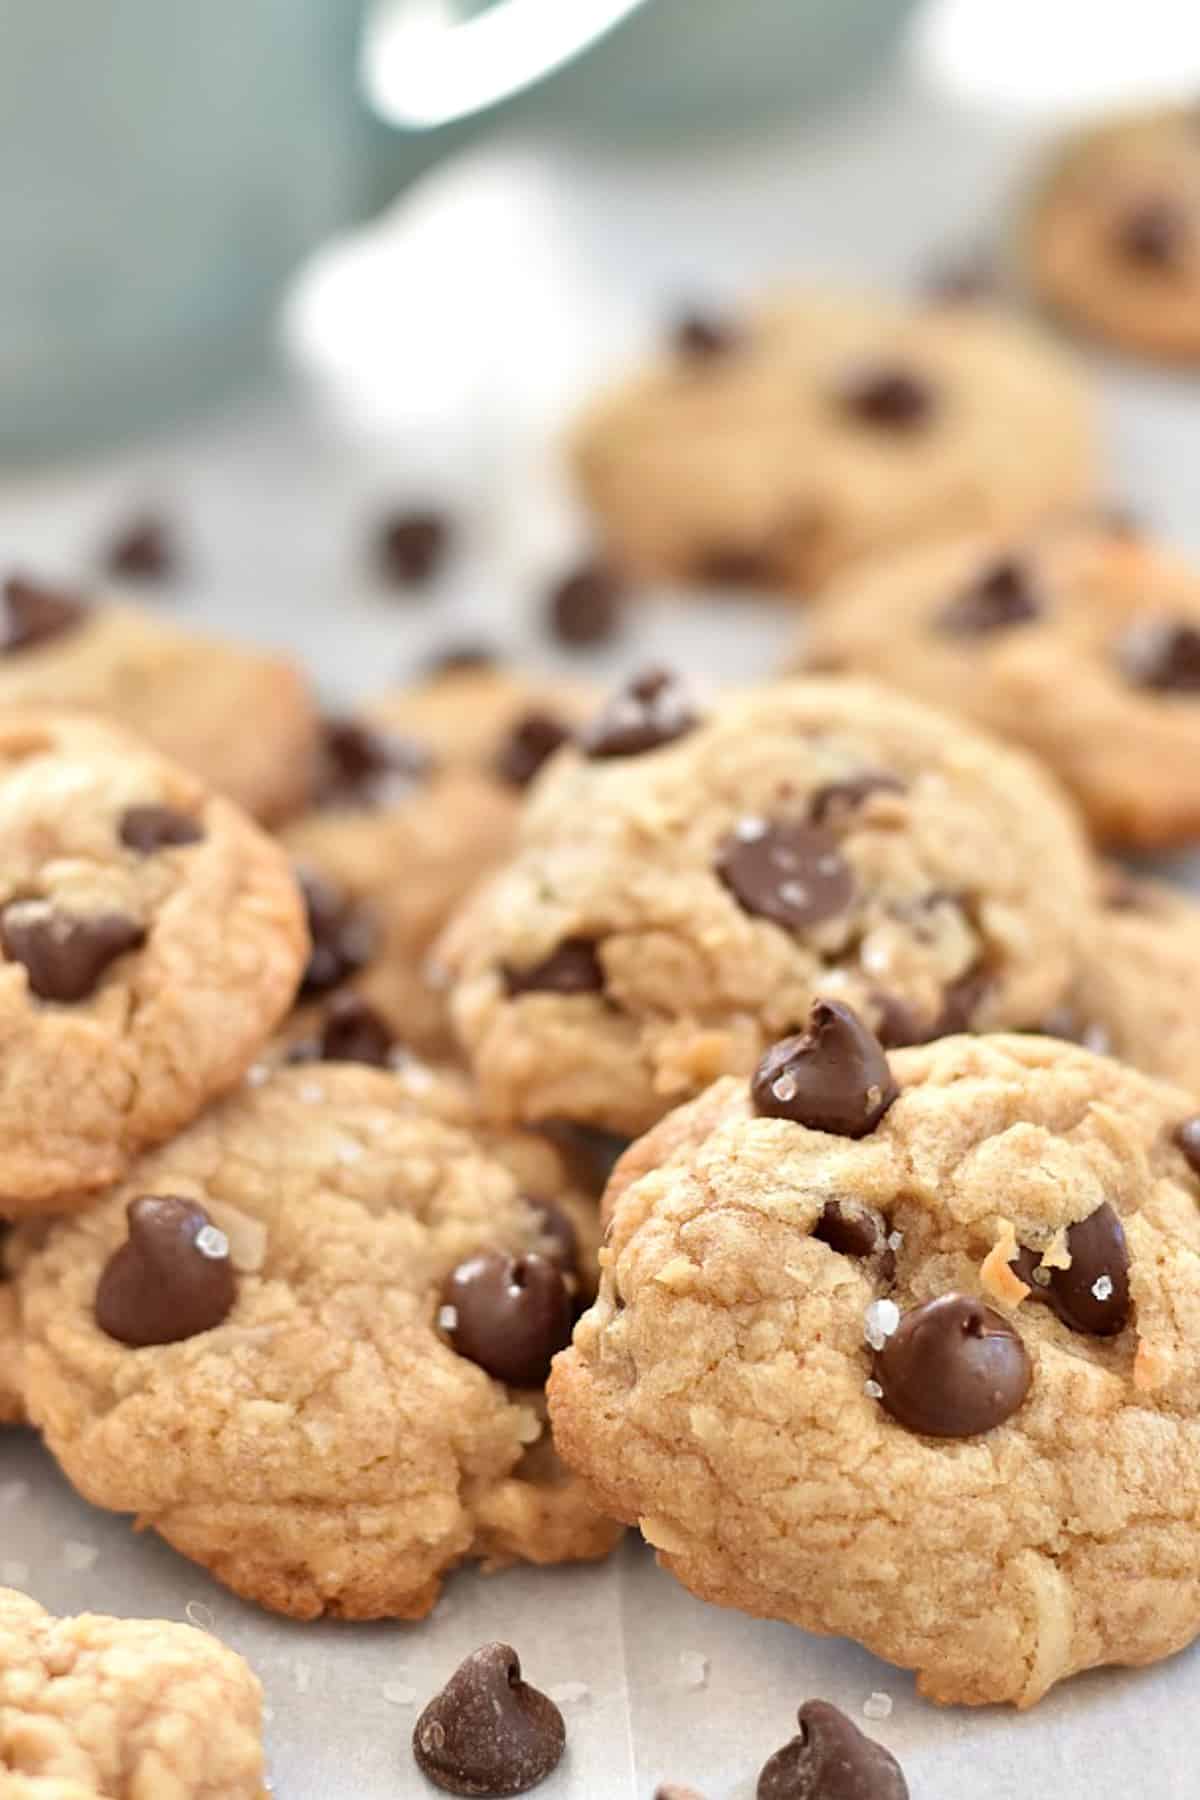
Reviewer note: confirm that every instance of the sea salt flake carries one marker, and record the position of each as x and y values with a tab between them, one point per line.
750	828
78	1557
877	1706
784	1088
693	1669
793	893
872	1390
397	1693
447	1318
570	1693
212	1243
895	1240
879	1321
1102	1288
311	1092
256	1074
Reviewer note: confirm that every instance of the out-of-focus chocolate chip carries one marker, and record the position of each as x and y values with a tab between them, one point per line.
532	741
1092	1296
1153	234
365	766
838	799
558	1238
851	1228
1187	1136
889	399
962	282
171	1279
410	546
833	1077
591	1153
1002	595
953	1368
65	954
352	1031
1162	654
586	605
788	871
143	550
653	709
508	1314
453	659
150	828
342	933
573	968
831	1759
734	566
34	613
488	1733
705	336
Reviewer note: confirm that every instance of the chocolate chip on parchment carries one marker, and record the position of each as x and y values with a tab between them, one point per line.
510	1314
572	968
704	336
838	799
832	1077
488	1733
890	399
953	1368
143	550
342	933
831	1759
1001	596
365	766
34	612
532	741
585	605
65	954
653	709
1161	654
171	1279
1091	1296
150	828
411	545
1152	233
786	870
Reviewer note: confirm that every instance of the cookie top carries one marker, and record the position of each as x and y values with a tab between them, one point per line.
1111	234
241	718
687	880
151	936
12	1407
322	1268
1081	642
123	1707
963	1343
826	426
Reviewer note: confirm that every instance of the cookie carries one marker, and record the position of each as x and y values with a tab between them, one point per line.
1081	642
687	880
825	427
240	718
1111	235
306	1343
113	1709
151	937
419	798
12	1408
906	1350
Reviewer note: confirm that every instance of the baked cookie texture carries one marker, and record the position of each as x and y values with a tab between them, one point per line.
827	426
152	937
723	1394
1080	642
12	1409
1110	238
116	1709
322	1447
670	912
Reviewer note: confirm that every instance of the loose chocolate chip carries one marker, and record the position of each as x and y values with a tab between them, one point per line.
1163	654
1001	597
953	1367
653	709
488	1733
735	566
170	1280
1187	1136
559	1240
791	872
574	968
150	828
1091	1296
851	1228
831	1759
452	659
33	613
411	545
585	606
833	1077
343	935
511	1313
363	766
891	398
837	799
702	337
1152	234
143	550
531	742
65	954
354	1032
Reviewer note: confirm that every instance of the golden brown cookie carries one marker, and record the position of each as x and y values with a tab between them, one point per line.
12	1406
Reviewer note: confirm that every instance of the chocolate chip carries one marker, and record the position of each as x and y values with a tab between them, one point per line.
343	935
585	606
838	798
961	999
831	1759
833	1077
558	1238
150	828
1091	1296
411	545
453	659
34	613
790	872
143	550
1187	1137
733	565
591	1152
363	766
893	399
1002	596
574	968
952	1368
354	1032
851	1228
172	1278
702	337
511	1313
1153	234
65	954
531	742
488	1733
1163	654
653	709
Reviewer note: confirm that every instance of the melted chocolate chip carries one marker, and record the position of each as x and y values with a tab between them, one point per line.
143	550
1002	596
410	546
343	935
574	968
1162	654
851	1228
558	1238
488	1733
1187	1136
65	954
833	1077
585	606
363	766
1152	234
831	1759
34	613
511	1313
791	872
531	742
1091	1296
838	798
172	1279
653	709
150	828
354	1032
953	1368
703	337
890	399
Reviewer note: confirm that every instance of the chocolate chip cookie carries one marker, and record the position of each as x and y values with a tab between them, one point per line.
12	1407
241	718
306	1342
92	1707
906	1348
689	877
1111	236
150	939
1081	642
771	450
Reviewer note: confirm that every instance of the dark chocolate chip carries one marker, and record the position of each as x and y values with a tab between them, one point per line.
65	954
851	1228
33	613
960	1001
791	872
1091	1296
837	799
511	1313
343	935
410	546
531	742
833	1077
150	828
488	1733
899	1022
170	1280
354	1032
735	566
143	550
453	659
1002	596
1163	654
585	606
363	766
952	1368
892	399
831	1759
574	968
1187	1136
591	1152
702	337
1153	234
558	1238
653	709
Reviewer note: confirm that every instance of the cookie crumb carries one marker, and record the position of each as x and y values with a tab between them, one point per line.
997	1276
877	1706
879	1322
693	1669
